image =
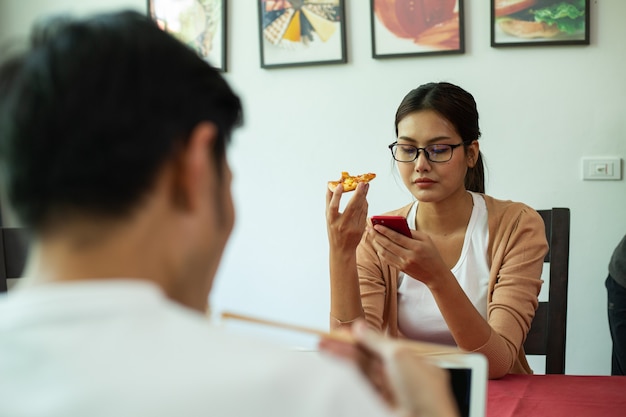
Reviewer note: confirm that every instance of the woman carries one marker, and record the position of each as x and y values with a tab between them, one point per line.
471	273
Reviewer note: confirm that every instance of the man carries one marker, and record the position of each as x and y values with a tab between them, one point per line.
616	307
114	135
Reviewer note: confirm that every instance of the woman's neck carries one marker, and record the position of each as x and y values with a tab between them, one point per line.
446	217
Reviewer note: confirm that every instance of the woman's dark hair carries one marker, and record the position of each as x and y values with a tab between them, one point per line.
94	108
459	108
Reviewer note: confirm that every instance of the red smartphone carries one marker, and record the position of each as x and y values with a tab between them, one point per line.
397	223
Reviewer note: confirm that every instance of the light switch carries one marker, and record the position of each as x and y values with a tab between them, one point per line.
599	168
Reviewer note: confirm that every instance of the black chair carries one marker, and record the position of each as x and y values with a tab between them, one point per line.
548	328
13	253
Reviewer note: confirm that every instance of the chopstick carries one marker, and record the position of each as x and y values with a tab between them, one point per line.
421	348
340	336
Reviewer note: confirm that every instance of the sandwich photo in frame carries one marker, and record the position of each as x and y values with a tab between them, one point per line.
539	22
301	32
403	28
201	24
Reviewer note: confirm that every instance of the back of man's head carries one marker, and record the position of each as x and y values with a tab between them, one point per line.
94	108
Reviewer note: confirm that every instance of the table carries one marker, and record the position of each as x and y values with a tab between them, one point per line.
557	396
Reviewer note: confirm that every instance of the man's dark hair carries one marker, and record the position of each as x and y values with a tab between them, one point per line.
95	107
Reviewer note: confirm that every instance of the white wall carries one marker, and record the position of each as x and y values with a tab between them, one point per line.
542	109
16	16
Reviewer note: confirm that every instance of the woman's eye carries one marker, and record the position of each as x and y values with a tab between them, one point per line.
438	149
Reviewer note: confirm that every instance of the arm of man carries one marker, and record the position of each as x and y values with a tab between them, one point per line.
407	383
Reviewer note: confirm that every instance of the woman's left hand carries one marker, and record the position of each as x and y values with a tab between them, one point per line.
416	256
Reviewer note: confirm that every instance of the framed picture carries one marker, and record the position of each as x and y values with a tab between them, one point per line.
539	22
201	24
301	32
417	27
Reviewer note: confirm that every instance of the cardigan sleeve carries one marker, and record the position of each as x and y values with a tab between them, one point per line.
519	247
372	284
378	284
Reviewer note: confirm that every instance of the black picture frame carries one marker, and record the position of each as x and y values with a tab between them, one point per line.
406	31
513	27
201	24
301	33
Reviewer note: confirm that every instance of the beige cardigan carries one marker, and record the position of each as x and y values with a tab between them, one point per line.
517	246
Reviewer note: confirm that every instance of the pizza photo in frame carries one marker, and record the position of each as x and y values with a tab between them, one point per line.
539	22
201	24
301	32
416	27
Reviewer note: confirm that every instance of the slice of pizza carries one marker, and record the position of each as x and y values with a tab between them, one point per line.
350	182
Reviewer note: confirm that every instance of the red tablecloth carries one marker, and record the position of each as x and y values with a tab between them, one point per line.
557	396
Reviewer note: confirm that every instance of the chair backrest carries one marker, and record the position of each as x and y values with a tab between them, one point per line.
548	328
13	253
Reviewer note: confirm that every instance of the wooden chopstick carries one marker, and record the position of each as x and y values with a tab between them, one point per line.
341	336
422	348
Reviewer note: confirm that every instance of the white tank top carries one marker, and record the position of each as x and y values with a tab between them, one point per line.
418	315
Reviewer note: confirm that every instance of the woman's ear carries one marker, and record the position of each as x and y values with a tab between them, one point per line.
472	151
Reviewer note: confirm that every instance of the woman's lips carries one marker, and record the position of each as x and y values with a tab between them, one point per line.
424	182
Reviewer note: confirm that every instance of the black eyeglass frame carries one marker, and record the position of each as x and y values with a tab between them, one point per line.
417	155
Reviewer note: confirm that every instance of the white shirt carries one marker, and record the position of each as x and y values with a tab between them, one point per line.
119	348
419	317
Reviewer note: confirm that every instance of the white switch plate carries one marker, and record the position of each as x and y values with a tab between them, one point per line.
601	168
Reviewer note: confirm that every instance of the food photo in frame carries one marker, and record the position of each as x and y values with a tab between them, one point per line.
539	22
201	24
301	32
416	27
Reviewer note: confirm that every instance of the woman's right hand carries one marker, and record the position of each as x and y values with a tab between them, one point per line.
346	229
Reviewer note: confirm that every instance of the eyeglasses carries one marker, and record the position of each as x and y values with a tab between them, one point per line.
434	153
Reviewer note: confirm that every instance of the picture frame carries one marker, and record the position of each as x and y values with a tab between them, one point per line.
417	28
547	22
301	32
201	24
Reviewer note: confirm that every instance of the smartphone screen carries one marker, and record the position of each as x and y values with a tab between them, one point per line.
397	223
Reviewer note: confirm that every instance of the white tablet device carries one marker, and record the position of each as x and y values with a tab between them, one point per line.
468	377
